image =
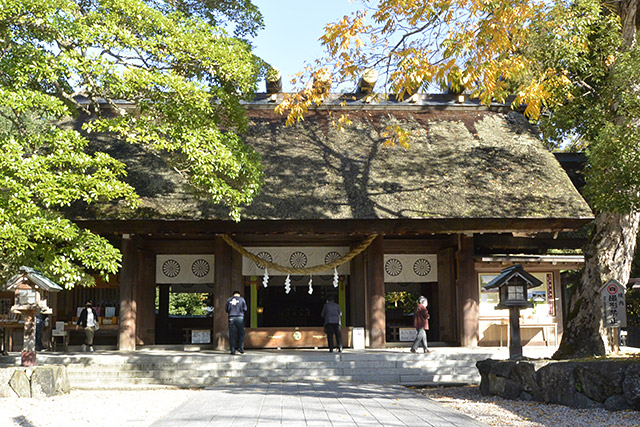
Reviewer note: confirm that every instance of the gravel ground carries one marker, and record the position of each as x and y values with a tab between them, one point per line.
495	411
141	408
92	408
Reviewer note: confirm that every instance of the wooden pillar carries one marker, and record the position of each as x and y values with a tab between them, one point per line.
357	294
515	345
375	293
469	293
28	355
237	282
162	332
146	298
557	302
447	296
128	287
221	291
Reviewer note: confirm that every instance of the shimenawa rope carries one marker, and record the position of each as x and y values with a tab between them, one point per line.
307	270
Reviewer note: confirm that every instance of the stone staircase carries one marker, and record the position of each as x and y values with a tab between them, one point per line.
157	368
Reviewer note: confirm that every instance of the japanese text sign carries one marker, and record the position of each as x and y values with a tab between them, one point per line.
614	308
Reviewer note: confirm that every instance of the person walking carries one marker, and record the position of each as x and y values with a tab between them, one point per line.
421	323
41	322
235	307
332	314
89	321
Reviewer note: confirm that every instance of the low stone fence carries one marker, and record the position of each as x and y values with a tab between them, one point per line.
612	384
34	382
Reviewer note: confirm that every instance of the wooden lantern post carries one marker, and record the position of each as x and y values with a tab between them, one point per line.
30	288
512	284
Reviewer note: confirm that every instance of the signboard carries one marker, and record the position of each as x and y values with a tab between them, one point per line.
614	308
408	334
201	336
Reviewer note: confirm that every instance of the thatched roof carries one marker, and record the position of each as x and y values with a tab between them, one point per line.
462	163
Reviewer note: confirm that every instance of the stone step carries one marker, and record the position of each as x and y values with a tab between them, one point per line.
74	372
329	364
114	370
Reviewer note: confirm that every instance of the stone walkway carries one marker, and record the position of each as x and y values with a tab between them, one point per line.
312	404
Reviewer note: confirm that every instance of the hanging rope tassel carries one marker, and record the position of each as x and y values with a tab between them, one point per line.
265	279
310	285
287	285
335	277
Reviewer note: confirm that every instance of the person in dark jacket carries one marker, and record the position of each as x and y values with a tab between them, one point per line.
235	307
89	321
331	314
40	323
421	323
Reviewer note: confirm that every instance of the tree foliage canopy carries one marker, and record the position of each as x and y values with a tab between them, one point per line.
182	77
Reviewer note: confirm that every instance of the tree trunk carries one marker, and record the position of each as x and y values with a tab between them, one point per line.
629	20
608	255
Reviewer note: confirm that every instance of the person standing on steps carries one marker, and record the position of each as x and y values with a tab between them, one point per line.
235	307
421	323
331	314
89	321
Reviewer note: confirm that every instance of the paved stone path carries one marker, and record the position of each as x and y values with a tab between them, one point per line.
312	404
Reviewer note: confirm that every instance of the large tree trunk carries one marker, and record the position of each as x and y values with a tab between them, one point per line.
607	256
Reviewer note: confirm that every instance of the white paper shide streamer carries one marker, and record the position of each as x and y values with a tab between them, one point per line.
265	279
310	285
335	277
287	285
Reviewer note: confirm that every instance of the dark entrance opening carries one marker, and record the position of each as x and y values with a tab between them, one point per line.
401	300
277	308
181	309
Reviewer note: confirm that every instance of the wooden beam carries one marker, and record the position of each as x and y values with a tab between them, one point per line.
355	227
430	244
491	242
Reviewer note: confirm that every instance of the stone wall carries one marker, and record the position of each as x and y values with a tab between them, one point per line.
612	384
34	382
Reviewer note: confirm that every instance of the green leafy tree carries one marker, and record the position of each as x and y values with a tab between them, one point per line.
405	301
187	304
574	64
632	297
183	77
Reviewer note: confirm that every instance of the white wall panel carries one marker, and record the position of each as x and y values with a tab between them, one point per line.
184	268
410	268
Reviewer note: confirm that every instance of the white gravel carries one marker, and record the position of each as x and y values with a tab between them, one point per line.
92	408
496	411
143	407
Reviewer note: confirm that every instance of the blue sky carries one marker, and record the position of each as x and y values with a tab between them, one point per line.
292	29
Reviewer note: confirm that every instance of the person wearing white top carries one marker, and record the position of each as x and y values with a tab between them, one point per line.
88	320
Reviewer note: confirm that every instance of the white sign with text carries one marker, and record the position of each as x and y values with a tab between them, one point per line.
614	307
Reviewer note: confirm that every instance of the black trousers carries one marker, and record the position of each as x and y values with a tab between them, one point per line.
236	333
333	329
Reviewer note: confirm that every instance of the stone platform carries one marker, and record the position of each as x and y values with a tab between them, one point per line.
154	367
